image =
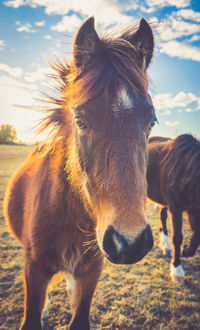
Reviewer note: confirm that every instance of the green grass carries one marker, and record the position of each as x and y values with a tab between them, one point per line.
139	296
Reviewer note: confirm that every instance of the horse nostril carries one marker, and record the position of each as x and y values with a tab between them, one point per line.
114	244
144	239
143	242
148	237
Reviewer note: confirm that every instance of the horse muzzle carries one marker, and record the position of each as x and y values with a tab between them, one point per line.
120	251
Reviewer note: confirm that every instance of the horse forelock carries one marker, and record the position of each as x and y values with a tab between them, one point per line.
116	64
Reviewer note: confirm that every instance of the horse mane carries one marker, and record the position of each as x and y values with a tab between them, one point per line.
116	62
181	164
158	139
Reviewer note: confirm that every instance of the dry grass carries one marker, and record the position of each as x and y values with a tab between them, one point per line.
139	296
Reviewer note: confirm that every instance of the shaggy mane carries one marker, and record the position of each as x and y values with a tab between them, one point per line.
158	139
117	62
181	165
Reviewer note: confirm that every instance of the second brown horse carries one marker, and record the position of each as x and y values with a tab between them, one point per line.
173	177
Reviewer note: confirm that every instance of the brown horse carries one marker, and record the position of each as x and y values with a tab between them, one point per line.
82	196
173	177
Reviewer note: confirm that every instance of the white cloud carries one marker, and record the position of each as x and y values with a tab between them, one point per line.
38	75
198	104
68	23
11	82
166	113
162	101
14	72
89	7
40	23
110	12
2	44
189	14
194	38
148	10
129	4
27	27
12	93
172	123
175	27
182	23
180	50
15	3
106	12
47	37
155	4
61	7
105	17
183	99
166	101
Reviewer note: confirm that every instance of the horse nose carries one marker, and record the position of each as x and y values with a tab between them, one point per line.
120	251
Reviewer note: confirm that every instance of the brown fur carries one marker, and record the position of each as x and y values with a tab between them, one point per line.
173	177
175	165
69	191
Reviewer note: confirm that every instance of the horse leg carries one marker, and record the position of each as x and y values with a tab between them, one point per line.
177	273
82	295
35	283
164	244
194	219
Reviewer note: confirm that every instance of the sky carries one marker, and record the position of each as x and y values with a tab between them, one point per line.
33	32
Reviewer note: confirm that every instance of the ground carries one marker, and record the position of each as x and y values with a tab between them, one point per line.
139	296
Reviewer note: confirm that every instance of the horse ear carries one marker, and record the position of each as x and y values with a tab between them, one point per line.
86	43
143	40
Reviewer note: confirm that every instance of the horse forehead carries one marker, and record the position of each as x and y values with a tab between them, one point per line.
123	101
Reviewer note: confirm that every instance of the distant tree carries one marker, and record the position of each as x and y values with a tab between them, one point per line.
8	134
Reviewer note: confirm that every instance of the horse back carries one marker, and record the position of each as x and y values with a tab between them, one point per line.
181	172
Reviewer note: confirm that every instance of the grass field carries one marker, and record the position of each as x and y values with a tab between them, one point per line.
139	296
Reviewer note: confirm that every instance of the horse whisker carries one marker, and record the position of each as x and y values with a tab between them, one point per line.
86	231
89	242
87	249
97	253
93	247
91	234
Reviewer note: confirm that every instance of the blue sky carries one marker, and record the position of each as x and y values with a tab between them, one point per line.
31	30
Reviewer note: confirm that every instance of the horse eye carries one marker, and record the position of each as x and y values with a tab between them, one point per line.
81	123
152	123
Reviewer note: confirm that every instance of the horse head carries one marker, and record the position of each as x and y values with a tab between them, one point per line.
112	116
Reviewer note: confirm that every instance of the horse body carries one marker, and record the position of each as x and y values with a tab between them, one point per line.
56	211
82	196
47	216
173	177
